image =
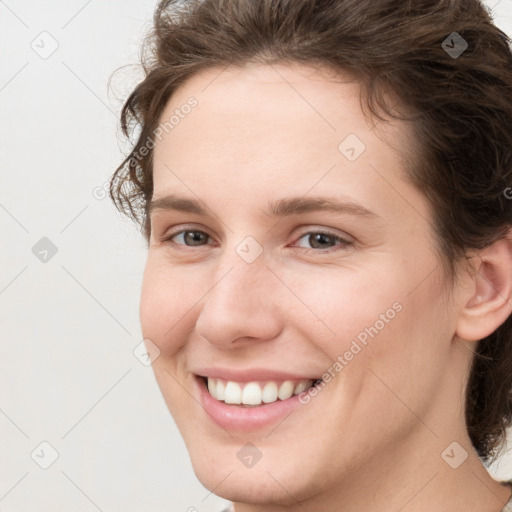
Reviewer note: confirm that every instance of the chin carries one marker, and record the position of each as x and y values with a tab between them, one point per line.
246	486
267	482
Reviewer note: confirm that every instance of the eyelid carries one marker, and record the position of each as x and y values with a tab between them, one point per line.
178	228
342	242
327	231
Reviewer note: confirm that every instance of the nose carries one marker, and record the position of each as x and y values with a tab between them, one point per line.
242	304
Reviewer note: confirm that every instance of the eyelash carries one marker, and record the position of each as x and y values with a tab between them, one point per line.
343	241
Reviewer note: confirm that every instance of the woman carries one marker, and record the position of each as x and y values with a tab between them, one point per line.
324	187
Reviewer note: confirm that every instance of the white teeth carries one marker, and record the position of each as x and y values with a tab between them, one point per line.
233	393
220	388
286	390
212	388
269	393
252	393
301	386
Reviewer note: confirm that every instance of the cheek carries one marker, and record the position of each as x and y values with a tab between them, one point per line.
340	305
166	303
378	316
403	360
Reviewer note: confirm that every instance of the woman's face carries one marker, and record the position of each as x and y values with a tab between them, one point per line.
313	259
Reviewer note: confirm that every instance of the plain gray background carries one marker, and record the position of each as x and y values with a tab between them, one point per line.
69	319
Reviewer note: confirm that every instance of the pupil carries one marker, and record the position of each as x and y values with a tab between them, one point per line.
320	237
192	236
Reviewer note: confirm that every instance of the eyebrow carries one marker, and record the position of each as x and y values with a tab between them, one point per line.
280	208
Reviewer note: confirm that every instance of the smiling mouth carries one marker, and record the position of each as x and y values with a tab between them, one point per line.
255	393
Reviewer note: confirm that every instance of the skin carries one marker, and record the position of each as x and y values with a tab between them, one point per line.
372	439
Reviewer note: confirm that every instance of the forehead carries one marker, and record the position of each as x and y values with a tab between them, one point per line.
262	127
291	108
265	97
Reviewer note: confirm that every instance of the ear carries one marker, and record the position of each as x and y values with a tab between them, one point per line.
488	300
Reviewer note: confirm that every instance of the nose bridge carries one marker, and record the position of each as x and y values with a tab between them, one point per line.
239	302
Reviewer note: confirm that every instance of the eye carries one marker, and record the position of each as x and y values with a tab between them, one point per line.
190	237
322	240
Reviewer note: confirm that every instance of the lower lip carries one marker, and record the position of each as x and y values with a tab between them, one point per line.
237	417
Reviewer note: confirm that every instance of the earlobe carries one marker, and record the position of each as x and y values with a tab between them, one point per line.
489	302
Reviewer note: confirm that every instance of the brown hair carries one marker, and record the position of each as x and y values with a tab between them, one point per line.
460	100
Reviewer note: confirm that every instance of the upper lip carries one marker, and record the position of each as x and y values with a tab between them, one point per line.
250	374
